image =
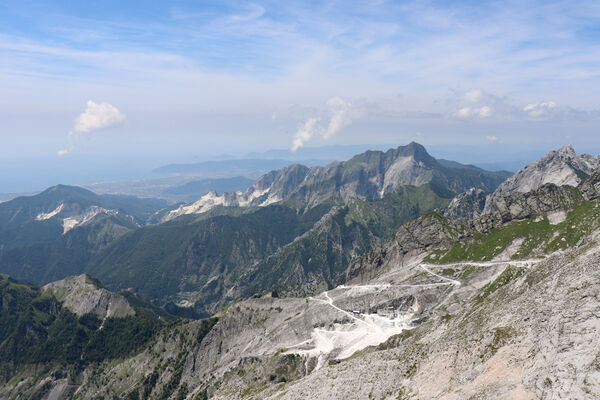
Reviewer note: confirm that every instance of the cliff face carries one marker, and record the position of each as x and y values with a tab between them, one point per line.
467	205
411	241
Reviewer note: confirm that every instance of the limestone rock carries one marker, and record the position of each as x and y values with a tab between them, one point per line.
82	295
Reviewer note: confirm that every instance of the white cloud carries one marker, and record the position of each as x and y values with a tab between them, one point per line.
310	128
474	96
541	110
479	104
97	116
475	103
492	138
485	111
467	112
340	114
254	11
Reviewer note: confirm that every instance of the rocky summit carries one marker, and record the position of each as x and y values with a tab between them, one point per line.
560	167
492	295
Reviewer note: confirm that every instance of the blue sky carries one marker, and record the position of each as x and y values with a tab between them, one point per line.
196	78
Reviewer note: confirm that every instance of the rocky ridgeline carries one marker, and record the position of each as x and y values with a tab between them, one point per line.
368	176
559	167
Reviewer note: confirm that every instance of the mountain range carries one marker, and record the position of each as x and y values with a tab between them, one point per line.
277	234
391	275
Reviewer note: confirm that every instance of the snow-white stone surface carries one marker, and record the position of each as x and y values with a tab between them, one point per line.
81	219
45	216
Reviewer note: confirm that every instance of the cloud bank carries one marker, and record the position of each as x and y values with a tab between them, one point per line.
97	116
477	104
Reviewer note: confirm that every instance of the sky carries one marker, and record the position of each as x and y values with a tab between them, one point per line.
186	79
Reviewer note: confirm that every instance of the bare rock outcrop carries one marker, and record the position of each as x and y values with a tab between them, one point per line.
467	205
559	167
82	295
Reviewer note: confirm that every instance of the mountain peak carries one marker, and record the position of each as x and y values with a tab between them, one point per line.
567	151
559	167
414	149
416	146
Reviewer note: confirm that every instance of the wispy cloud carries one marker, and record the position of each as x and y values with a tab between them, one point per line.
540	110
340	114
253	11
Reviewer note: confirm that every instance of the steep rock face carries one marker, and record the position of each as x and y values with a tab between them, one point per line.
546	198
590	188
82	295
559	167
313	261
368	176
467	205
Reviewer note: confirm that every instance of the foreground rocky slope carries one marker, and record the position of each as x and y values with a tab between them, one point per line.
505	328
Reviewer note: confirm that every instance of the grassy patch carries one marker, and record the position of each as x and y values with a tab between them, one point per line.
539	237
508	275
502	336
467	271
